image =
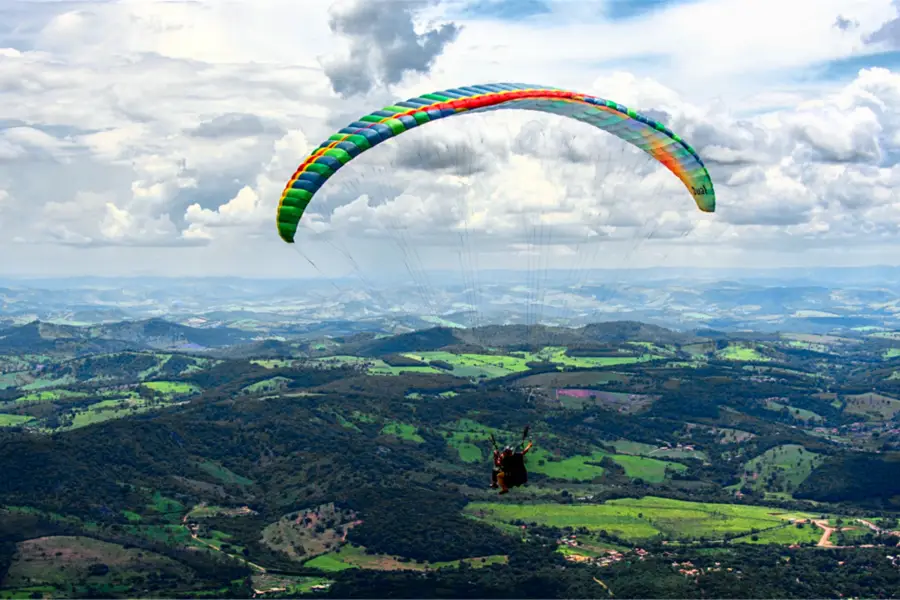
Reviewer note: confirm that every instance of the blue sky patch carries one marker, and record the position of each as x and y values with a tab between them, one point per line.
507	10
620	10
848	68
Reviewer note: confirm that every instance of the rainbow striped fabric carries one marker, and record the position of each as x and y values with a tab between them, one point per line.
650	136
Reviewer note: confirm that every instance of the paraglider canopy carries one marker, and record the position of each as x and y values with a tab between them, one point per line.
652	137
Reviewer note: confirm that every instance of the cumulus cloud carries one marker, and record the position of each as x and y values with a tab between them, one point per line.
231	125
819	171
467	151
384	44
888	33
142	125
253	204
149	134
94	220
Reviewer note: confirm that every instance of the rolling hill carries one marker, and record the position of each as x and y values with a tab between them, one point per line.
335	464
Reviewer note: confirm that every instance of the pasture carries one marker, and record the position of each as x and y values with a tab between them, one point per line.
354	557
741	352
171	389
780	469
64	565
873	406
638	519
404	431
794	533
798	413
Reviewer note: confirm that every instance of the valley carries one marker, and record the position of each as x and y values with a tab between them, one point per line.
295	466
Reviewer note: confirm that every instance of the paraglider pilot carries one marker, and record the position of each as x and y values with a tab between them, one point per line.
509	466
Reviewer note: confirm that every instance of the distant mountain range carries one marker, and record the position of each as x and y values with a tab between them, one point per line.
55	341
798	300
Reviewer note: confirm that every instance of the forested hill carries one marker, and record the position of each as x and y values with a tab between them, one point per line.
358	466
151	333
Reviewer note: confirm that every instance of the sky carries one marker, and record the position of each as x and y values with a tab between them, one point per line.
155	138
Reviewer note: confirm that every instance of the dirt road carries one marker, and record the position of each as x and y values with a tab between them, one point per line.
825	541
878	529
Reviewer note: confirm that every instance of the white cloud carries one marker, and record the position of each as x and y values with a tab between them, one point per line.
254	204
815	171
142	125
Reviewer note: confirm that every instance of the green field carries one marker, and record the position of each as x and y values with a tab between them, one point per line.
195	364
332	562
475	365
51	396
789	534
636	520
465	445
120	404
798	413
648	469
111	403
105	411
62	566
404	431
576	468
780	469
172	388
501	365
470	438
104	369
355	557
14	420
873	406
741	352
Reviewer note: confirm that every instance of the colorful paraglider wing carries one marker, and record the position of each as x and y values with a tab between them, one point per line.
650	136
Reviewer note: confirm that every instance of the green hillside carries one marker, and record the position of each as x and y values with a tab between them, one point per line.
358	464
